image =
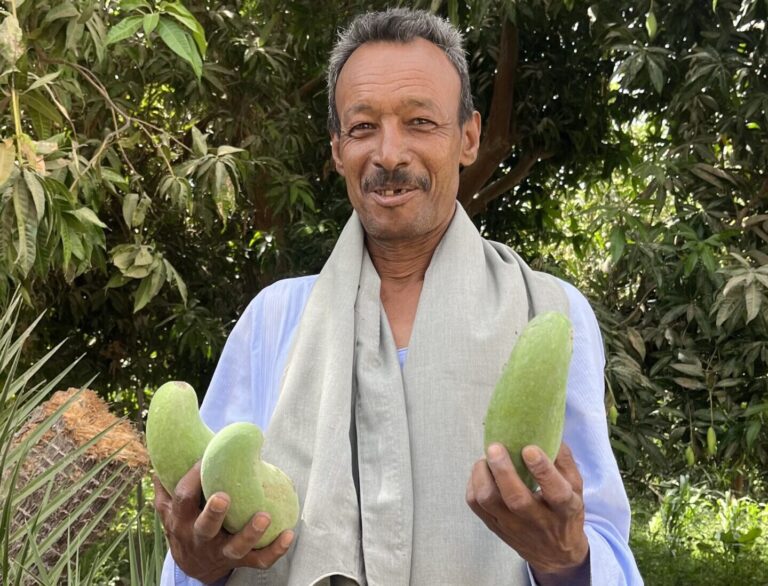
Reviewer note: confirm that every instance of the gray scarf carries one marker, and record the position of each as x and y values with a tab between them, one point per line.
380	457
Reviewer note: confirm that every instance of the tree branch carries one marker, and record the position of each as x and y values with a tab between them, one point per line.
499	132
519	172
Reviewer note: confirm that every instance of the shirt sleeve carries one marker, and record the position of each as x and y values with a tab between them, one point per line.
246	383
586	432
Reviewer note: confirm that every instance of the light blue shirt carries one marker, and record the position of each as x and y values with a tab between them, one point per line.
246	384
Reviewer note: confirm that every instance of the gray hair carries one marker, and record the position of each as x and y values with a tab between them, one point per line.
399	25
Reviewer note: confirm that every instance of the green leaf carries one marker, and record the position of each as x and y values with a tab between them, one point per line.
753	430
618	242
689	383
227	150
752	300
124	29
87	216
61	10
178	41
129	207
43	81
7	157
98	31
199	144
185	17
150	22
37	191
26	224
656	74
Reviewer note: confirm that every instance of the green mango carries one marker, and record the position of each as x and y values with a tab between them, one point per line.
232	464
176	436
528	403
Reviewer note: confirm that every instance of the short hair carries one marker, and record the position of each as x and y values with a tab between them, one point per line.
400	25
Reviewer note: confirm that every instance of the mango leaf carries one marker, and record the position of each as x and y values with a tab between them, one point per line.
26	223
43	81
129	207
37	191
61	10
178	41
752	300
42	113
87	216
185	17
124	29
656	74
637	342
753	430
7	156
618	242
199	144
690	369
98	31
150	22
689	383
227	150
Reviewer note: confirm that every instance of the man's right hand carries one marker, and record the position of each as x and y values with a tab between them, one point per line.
199	545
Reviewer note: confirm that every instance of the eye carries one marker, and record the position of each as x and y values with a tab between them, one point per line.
361	128
422	122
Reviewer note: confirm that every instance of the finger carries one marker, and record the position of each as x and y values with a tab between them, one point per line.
246	539
567	466
267	556
162	498
208	523
485	492
555	489
513	491
186	496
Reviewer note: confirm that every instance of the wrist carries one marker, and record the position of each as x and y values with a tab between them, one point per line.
571	574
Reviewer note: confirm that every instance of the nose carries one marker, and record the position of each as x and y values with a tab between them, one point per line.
392	148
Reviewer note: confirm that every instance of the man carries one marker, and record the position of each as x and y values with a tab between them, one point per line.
372	379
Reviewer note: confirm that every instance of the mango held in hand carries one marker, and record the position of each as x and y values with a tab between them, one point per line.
176	436
232	463
528	404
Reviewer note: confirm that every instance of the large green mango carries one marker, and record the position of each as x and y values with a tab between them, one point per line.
176	436
232	463
528	403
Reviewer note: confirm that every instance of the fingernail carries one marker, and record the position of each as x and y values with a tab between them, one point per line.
532	456
261	523
495	452
218	504
286	539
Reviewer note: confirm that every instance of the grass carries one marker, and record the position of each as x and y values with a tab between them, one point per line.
698	537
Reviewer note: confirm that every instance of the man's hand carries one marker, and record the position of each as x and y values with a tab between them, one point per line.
545	527
199	545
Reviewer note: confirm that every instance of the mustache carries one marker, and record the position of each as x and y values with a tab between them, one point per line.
395	179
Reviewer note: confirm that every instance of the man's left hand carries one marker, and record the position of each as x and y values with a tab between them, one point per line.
545	527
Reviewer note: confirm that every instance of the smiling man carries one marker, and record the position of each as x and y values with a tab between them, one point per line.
372	378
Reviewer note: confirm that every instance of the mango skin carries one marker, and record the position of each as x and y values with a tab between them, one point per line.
528	403
232	464
176	436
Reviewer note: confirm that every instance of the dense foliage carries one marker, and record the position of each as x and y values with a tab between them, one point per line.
161	162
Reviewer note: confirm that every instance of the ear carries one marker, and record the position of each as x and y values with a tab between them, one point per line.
470	139
335	154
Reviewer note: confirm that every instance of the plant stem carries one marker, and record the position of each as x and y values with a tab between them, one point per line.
15	100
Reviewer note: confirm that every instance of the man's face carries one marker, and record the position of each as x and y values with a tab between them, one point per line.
401	144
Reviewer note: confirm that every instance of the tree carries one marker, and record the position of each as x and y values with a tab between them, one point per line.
162	162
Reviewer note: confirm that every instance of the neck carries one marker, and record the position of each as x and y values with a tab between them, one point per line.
404	262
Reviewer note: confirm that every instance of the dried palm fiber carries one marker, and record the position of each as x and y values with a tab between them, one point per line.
83	419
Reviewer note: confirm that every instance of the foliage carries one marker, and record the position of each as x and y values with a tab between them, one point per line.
699	536
161	162
25	549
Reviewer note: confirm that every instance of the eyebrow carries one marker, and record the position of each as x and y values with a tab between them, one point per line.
410	103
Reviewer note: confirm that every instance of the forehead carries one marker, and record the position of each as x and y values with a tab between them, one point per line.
412	73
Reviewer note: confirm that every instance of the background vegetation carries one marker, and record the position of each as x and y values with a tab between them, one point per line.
162	161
